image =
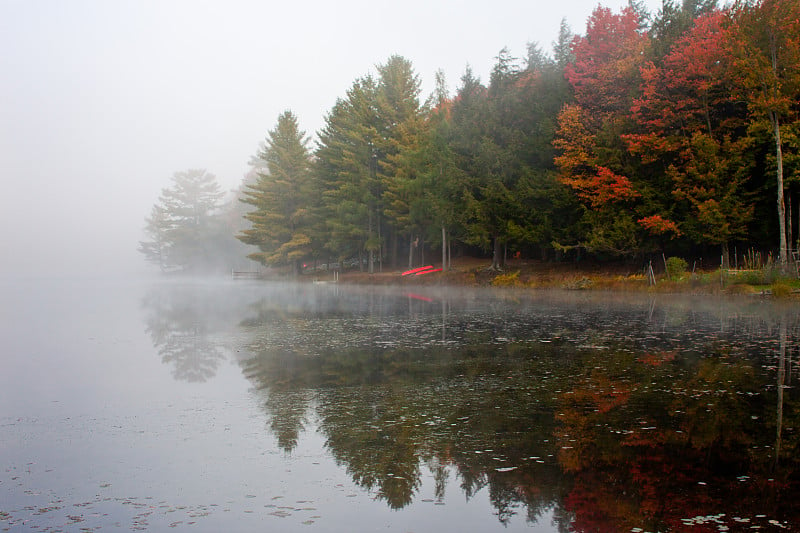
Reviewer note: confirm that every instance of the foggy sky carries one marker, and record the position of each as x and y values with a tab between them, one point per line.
101	101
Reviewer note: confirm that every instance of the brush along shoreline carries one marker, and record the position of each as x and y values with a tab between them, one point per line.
470	272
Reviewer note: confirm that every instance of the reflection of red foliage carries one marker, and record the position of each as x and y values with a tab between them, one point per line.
657	359
648	489
594	504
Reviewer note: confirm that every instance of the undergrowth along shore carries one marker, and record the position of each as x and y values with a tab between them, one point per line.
711	282
768	281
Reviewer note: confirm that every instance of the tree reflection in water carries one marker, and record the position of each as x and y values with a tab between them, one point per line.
184	322
606	415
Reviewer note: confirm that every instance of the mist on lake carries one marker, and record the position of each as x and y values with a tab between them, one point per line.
212	403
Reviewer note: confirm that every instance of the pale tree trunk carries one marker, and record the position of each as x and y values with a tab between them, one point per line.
371	256
496	255
380	246
726	256
789	232
776	128
444	248
782	256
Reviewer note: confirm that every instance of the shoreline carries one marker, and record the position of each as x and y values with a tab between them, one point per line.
470	272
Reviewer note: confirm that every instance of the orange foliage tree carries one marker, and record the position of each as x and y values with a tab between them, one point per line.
696	129
604	77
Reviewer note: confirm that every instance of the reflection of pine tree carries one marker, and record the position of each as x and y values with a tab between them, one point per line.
505	500
194	357
371	432
386	414
178	329
287	416
440	476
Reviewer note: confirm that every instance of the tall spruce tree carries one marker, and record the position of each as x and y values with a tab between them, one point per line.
283	198
346	160
359	161
501	144
442	180
401	125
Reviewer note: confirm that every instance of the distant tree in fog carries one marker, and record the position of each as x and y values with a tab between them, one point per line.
156	250
183	230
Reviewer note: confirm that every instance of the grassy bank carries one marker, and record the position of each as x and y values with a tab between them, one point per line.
766	282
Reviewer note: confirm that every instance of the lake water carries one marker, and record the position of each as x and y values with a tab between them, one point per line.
250	406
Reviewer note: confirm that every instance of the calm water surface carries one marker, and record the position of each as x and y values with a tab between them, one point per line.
248	406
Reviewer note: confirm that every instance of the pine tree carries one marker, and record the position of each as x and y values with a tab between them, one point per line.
346	166
157	227
401	125
562	47
181	226
283	198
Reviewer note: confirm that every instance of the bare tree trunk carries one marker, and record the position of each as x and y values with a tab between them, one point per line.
371	257
726	256
411	245
444	248
496	255
789	240
781	205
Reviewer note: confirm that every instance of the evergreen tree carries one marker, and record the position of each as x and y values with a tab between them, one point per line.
157	227
468	122
673	21
426	199
283	199
346	165
360	162
562	47
502	146
401	124
183	232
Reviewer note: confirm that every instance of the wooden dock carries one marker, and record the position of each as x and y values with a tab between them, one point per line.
245	274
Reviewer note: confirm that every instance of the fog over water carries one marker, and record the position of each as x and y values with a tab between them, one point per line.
209	405
101	102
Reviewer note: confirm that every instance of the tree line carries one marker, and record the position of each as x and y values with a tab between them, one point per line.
677	132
